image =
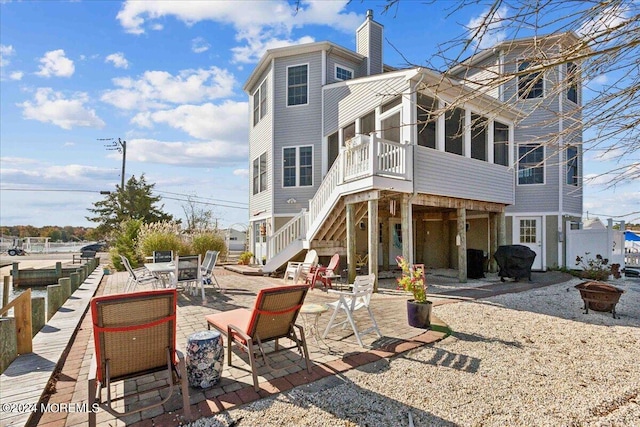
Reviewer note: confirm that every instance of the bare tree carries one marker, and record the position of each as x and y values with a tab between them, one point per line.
198	218
588	44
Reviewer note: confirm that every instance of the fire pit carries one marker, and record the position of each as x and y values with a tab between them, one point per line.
599	296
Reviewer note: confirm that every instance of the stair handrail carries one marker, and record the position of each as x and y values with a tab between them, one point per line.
329	183
294	229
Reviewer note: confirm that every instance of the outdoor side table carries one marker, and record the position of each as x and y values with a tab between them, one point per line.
316	310
205	356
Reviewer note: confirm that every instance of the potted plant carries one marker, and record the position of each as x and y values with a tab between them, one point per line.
245	258
413	280
264	260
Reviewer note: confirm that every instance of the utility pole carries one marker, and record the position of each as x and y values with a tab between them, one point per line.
121	147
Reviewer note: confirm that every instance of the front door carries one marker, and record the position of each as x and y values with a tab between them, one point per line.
529	233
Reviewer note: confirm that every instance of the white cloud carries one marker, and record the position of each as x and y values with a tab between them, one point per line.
241	172
199	45
5	52
488	31
118	60
258	23
55	63
52	107
227	121
16	75
601	24
154	89
199	154
257	45
29	172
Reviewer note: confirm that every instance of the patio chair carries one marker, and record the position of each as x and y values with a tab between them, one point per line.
350	302
187	274
206	270
272	317
137	276
326	274
162	256
134	335
300	270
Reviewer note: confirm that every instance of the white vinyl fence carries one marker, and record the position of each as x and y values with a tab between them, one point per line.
588	243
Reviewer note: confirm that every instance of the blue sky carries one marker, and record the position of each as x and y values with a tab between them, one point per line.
167	78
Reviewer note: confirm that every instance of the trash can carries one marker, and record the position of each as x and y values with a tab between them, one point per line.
475	263
205	357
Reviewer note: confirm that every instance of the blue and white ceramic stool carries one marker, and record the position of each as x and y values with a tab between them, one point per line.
205	357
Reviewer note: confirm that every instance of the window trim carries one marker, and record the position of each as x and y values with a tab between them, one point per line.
297	167
543	166
577	166
258	108
572	81
286	85
259	175
335	72
542	79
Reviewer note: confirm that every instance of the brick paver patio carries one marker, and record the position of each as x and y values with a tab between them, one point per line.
335	354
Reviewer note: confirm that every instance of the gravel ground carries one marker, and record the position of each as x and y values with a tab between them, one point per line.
526	359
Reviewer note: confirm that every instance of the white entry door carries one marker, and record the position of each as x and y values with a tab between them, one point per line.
529	233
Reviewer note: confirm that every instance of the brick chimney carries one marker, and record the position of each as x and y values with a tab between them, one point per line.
369	43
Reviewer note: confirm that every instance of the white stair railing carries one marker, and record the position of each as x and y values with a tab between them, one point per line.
331	180
294	229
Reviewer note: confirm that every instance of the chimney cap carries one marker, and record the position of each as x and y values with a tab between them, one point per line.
369	13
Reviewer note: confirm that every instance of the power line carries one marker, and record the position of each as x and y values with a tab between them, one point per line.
200	197
206	203
51	189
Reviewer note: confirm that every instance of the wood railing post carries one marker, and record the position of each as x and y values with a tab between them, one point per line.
38	315
15	273
5	290
22	313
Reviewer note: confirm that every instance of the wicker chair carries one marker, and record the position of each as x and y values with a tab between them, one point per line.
135	335
272	317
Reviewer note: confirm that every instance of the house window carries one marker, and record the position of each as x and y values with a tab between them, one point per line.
260	103
297	85
348	132
260	174
479	137
500	144
343	73
427	121
297	166
454	131
572	165
530	164
530	85
391	127
572	82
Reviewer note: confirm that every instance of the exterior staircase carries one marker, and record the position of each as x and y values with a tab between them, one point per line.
367	163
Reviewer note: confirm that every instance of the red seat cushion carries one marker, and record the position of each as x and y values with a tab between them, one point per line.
240	317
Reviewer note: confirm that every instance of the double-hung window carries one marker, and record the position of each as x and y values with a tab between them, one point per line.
530	164
260	173
297	85
343	73
572	165
260	103
297	166
530	85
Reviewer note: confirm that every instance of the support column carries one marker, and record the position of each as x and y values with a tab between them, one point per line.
351	242
461	240
373	240
420	238
502	229
385	243
405	218
493	241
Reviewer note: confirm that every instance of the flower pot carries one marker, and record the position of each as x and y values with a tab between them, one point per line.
419	314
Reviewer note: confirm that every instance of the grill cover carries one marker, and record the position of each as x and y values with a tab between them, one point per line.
515	261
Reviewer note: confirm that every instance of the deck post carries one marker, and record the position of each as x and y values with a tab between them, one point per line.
493	240
373	240
461	241
502	229
351	241
405	218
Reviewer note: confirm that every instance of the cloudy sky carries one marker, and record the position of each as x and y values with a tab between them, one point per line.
166	77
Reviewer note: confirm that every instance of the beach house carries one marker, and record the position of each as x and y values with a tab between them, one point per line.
351	156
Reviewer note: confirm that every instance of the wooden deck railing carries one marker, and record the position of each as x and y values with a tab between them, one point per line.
22	314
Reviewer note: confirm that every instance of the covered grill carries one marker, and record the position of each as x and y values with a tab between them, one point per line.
514	261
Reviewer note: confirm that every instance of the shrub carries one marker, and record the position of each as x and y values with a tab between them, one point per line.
161	236
125	238
594	268
245	258
208	241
